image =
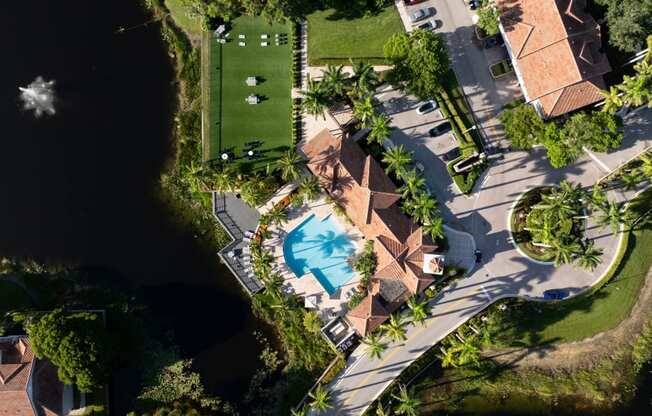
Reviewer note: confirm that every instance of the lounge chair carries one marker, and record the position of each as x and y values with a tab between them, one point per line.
264	36
241	36
264	44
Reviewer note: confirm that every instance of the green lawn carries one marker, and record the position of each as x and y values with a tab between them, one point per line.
180	17
12	297
230	121
333	39
534	323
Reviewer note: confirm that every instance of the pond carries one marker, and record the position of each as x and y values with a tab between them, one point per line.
80	186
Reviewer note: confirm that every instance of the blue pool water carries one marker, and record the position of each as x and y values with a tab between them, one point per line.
321	247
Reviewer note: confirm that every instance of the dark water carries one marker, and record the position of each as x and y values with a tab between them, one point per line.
79	186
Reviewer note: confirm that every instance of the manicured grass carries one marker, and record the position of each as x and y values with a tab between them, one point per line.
532	323
180	17
12	297
333	39
231	121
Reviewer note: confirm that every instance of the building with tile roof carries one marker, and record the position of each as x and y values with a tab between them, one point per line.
28	386
359	185
555	48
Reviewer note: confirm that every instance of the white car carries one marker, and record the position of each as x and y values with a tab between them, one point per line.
427	107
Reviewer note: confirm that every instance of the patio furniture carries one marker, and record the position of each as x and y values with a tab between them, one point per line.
246	250
252	99
242	44
251	81
222	41
249	234
264	36
241	36
310	302
225	156
264	44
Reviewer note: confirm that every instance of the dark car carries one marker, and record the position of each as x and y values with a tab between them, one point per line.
493	41
473	4
411	2
451	154
440	129
478	256
555	294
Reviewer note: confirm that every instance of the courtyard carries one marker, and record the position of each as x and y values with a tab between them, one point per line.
252	135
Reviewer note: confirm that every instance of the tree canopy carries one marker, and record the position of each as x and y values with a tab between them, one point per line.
76	343
420	62
629	21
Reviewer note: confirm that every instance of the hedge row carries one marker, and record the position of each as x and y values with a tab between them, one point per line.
296	55
297	121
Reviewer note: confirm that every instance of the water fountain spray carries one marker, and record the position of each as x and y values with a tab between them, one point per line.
38	96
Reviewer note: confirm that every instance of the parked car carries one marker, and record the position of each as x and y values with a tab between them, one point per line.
431	24
411	2
427	107
492	41
422	14
440	129
478	256
555	294
473	4
451	154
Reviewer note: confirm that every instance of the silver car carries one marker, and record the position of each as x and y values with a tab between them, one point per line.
422	14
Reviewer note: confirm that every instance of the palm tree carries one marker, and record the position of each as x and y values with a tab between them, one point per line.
380	129
612	216
414	183
254	190
309	187
315	99
598	197
226	179
634	90
333	80
364	109
646	166
320	399
565	251
590	257
364	78
631	180
448	357
195	178
425	208
434	228
301	411
397	159
469	352
375	347
381	411
290	164
407	403
418	310
396	327
612	100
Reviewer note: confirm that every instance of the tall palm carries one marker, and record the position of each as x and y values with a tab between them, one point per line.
469	353
414	184
590	257
612	100
315	99
226	179
309	187
380	129
634	90
364	78
434	228
448	357
290	164
301	411
425	208
276	216
612	216
381	411
397	159
646	165
407	403
565	251
631	180
195	178
418	310
320	399
396	327
333	80
364	110
375	347
274	282
598	197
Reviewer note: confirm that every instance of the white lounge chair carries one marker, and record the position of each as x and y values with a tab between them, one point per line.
241	36
264	36
248	234
264	44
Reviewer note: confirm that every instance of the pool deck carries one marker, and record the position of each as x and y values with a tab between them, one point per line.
328	306
236	217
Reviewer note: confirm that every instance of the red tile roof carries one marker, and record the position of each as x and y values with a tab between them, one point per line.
17	367
556	49
358	183
368	315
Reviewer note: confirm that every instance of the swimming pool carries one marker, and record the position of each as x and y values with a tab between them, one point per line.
321	247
